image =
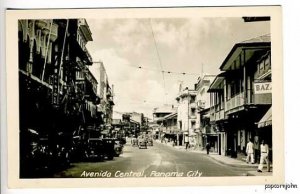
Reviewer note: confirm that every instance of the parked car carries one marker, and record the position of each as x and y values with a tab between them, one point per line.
118	147
94	149
109	148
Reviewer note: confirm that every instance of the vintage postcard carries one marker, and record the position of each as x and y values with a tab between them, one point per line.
144	97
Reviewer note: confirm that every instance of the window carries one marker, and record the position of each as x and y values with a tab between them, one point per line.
193	124
193	98
193	111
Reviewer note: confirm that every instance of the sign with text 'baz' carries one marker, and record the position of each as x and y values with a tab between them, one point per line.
263	88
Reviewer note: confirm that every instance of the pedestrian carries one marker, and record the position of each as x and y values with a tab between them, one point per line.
207	148
250	152
264	156
256	149
187	144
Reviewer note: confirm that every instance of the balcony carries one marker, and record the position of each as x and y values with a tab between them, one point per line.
193	116
88	56
85	29
193	105
236	102
83	52
217	112
220	115
45	25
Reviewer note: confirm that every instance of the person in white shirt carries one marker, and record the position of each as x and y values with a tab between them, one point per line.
250	152
264	156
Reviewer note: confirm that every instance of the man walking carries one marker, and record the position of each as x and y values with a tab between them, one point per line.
207	148
250	152
264	156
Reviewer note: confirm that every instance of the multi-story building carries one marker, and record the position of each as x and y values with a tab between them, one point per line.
216	112
242	94
106	93
160	112
158	116
169	129
203	103
57	92
187	115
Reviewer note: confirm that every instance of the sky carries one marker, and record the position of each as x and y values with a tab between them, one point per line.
194	46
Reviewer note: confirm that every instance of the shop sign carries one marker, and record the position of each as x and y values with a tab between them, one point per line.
55	89
263	88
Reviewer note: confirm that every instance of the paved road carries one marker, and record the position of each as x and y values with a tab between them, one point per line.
157	161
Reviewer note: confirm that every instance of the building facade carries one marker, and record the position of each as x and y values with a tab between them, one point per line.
203	103
58	95
106	94
241	95
187	115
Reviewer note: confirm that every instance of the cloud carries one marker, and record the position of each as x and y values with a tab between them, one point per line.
183	45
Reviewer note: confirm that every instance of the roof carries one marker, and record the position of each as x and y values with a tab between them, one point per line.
216	85
164	109
116	122
263	38
260	42
133	121
169	116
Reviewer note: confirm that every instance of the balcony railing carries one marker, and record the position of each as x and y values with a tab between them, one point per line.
217	115
220	115
88	55
234	102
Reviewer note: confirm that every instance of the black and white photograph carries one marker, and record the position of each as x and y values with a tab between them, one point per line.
146	95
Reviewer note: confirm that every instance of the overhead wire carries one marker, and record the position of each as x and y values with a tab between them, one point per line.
159	60
163	71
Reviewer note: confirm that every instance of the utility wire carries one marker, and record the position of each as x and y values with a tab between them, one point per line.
162	70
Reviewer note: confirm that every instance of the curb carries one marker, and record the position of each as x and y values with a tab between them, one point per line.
234	165
222	162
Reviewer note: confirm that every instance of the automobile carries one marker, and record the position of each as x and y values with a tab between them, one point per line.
134	141
142	143
149	141
108	148
118	147
94	149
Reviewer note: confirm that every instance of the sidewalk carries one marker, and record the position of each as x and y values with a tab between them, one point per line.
225	160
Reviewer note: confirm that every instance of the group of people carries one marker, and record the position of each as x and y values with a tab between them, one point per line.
264	154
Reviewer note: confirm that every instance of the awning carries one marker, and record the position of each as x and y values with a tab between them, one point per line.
266	119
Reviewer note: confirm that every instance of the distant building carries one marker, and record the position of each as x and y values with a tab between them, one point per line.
105	108
187	116
160	112
203	103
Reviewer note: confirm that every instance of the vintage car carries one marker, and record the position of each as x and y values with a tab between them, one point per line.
94	149
134	141
142	143
109	148
118	147
149	141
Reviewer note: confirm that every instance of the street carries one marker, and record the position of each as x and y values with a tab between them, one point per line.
159	160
